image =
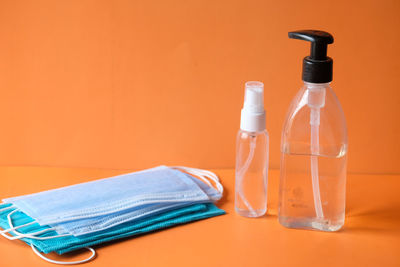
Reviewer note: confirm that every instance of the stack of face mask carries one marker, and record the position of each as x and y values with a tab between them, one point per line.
91	213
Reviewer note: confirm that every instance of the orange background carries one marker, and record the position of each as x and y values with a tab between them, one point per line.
133	84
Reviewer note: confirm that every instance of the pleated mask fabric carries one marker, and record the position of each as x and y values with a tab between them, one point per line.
110	195
90	225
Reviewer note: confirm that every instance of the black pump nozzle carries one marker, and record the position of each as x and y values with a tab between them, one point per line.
317	68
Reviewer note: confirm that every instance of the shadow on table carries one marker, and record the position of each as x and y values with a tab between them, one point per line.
379	220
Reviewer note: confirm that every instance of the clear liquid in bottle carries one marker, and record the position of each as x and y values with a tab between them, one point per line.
313	161
297	208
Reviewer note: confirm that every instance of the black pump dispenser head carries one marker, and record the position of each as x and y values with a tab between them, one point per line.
317	68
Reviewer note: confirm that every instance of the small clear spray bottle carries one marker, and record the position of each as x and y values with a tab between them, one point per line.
252	145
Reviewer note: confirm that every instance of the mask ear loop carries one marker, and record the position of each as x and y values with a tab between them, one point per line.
65	262
20	235
16	227
204	175
3	232
7	208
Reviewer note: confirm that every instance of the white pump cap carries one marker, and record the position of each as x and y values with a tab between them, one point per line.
253	113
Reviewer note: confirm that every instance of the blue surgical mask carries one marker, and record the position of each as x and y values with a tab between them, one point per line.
138	194
94	224
90	225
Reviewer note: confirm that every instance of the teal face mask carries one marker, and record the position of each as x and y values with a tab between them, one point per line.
53	242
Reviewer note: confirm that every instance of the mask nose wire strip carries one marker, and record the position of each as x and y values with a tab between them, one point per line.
204	175
65	262
30	235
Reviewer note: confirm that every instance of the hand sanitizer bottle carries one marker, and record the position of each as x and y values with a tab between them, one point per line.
252	155
314	146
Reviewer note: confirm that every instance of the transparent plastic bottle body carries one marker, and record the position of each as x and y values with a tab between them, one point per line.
251	173
313	161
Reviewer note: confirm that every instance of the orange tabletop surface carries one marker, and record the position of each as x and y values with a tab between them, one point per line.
370	237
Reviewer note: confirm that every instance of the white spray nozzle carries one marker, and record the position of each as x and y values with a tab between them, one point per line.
253	113
254	97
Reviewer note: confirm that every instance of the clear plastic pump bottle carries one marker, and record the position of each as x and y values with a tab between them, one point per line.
314	147
252	146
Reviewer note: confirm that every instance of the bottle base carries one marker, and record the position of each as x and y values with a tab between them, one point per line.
311	224
250	213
